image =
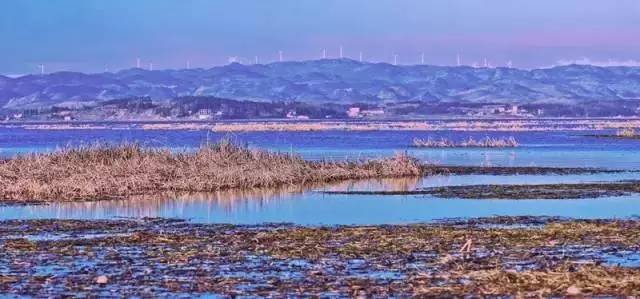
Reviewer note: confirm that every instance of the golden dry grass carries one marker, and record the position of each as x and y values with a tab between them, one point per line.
627	132
105	172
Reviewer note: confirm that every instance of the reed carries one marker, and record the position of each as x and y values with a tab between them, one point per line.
106	172
627	133
487	142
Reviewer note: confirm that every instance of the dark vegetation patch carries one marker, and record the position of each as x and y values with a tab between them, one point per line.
543	191
614	136
544	257
499	170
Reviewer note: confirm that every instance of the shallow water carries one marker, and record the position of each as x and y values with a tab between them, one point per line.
312	207
317	209
560	149
306	206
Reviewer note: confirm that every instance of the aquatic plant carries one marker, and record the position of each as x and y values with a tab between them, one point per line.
627	132
470	142
114	171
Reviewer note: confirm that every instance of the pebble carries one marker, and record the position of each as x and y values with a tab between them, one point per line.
102	279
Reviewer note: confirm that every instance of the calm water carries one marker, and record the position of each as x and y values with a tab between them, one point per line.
560	149
563	149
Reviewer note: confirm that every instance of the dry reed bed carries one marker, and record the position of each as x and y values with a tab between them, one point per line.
105	172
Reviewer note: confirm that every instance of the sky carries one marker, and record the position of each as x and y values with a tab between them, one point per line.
99	35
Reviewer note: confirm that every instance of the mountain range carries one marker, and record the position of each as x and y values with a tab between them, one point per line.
339	81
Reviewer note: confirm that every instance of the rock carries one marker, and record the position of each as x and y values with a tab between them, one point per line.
102	279
573	291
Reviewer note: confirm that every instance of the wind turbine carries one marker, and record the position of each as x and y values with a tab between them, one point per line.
360	56
422	58
510	64
341	52
458	59
42	69
280	54
324	53
256	59
137	62
188	64
395	59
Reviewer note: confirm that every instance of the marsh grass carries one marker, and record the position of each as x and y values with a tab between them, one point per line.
627	133
101	171
486	142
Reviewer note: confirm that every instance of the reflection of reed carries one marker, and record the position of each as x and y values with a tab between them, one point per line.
169	204
188	205
386	184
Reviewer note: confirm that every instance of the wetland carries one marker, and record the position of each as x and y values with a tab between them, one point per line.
182	212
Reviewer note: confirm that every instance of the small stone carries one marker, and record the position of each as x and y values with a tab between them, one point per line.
573	291
102	279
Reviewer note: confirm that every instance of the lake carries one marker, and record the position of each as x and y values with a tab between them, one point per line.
308	206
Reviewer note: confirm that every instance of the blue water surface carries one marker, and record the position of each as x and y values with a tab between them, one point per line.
312	207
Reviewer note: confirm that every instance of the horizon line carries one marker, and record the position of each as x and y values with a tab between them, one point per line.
573	63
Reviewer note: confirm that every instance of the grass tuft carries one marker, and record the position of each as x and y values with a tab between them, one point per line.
114	171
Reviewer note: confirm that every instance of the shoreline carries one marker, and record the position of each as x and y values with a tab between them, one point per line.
528	256
269	125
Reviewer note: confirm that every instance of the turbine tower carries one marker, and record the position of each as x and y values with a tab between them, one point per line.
510	64
280	54
137	62
256	59
458	60
395	59
341	52
42	69
324	53
188	64
422	58
360	56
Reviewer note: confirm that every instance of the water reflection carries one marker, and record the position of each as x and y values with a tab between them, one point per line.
303	205
386	184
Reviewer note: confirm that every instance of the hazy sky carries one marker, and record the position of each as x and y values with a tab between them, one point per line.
91	35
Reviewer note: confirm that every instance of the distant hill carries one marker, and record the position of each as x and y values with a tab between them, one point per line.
340	81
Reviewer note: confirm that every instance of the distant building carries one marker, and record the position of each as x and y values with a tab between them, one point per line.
353	112
204	114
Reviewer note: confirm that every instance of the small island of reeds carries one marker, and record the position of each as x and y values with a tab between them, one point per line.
99	172
486	142
624	133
